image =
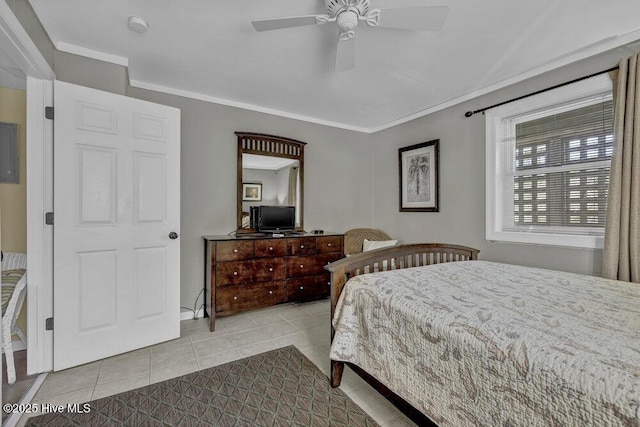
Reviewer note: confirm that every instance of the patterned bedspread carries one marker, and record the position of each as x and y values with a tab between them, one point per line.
485	344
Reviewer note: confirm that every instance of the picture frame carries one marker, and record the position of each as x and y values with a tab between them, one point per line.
251	192
419	177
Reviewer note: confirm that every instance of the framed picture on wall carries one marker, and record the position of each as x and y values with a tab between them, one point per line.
419	185
251	192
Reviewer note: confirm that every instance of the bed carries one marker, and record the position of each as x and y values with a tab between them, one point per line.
481	343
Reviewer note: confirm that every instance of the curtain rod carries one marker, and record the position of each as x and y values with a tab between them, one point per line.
482	110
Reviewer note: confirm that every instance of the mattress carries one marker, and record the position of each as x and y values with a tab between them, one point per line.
479	343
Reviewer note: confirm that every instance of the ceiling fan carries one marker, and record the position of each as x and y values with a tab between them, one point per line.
347	13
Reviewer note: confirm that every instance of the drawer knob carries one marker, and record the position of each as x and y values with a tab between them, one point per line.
301	246
329	244
235	273
329	283
235	298
301	265
302	288
270	268
235	251
270	248
270	292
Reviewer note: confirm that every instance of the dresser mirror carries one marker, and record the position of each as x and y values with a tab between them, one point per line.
271	173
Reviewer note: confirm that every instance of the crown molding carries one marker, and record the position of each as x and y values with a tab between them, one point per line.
19	46
245	106
612	44
91	53
41	13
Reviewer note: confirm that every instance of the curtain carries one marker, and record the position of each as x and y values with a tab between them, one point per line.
621	256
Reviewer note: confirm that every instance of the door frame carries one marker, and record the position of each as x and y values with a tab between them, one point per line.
22	50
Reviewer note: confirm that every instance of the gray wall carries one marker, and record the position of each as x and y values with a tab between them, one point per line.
338	184
462	179
351	179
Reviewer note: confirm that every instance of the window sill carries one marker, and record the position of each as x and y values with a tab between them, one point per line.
547	239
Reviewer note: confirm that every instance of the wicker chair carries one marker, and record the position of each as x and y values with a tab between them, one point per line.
13	261
353	239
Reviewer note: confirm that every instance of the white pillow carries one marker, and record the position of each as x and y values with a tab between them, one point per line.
369	245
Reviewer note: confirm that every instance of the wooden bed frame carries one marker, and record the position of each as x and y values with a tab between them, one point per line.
391	258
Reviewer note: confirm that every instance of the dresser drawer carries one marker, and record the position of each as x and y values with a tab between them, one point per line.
250	271
270	247
234	250
236	298
301	246
234	273
328	244
269	269
308	288
309	265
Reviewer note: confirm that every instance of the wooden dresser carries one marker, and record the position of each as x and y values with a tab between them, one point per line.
245	273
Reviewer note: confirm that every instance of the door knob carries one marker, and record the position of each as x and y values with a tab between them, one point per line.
173	235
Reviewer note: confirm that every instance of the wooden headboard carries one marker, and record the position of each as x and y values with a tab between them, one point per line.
390	258
393	258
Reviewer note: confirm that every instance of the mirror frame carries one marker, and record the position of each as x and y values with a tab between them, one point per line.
268	145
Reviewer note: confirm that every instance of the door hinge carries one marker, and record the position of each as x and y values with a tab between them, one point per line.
48	113
48	324
48	218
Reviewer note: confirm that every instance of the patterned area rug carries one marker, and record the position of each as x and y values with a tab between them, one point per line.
278	388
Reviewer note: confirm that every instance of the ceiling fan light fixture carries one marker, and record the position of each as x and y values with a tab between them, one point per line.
347	20
138	24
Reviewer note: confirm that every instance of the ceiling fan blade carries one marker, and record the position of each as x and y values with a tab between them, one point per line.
280	23
428	18
345	54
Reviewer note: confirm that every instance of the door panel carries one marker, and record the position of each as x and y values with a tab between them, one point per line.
97	289
149	282
117	198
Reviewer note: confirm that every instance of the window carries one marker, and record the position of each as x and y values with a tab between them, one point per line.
548	159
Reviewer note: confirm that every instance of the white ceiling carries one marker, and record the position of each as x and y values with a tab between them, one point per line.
209	50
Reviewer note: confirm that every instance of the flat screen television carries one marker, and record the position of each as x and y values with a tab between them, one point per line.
274	219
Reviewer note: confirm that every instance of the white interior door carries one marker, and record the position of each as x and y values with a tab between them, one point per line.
116	203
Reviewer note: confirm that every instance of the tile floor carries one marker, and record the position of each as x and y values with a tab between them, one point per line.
13	393
304	325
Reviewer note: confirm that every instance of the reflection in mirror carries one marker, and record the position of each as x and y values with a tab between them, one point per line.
271	181
270	173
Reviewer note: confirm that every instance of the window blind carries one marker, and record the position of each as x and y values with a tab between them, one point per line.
554	167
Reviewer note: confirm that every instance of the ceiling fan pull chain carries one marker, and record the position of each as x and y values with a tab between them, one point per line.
372	18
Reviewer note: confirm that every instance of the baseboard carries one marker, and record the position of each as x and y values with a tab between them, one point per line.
188	314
